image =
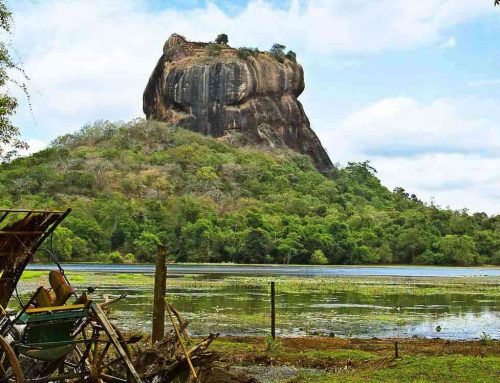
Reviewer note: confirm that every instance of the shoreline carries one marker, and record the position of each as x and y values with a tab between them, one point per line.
322	360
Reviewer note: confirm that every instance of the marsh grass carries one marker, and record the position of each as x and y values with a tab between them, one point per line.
368	286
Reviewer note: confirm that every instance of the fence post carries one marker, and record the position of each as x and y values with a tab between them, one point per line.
158	327
273	310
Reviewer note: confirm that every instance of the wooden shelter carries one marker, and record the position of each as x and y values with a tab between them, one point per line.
21	235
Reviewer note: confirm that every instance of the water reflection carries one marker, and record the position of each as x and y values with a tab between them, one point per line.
238	310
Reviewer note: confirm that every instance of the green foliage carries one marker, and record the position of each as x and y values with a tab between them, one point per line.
137	184
458	250
278	51
318	258
222	39
273	345
214	49
291	55
9	134
244	52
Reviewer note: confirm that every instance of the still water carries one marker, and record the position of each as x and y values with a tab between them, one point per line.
243	309
279	270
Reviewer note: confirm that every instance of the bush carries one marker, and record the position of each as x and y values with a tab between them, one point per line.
129	259
214	49
115	257
278	51
318	258
292	56
244	52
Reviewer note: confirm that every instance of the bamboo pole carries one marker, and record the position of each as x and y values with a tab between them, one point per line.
177	332
158	327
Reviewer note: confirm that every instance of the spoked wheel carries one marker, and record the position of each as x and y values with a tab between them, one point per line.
100	358
10	369
106	363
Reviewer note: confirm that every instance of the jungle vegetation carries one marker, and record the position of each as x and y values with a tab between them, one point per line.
133	185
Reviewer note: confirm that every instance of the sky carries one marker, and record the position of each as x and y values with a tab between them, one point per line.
411	86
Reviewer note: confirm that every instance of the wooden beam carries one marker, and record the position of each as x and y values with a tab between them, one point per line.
113	338
21	233
158	327
55	308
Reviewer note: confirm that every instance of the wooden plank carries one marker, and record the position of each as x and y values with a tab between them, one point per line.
22	233
113	338
55	308
30	211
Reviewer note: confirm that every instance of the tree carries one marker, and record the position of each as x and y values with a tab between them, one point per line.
146	246
278	49
292	56
222	39
9	134
458	250
318	258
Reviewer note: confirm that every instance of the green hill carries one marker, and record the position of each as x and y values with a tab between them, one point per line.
134	185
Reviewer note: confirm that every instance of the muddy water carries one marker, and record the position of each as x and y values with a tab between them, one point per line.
244	310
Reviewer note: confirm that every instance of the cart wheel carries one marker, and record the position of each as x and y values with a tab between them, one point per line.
10	369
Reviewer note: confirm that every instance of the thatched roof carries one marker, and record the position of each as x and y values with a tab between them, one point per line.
21	235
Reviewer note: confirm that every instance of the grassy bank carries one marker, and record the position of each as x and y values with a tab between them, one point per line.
322	360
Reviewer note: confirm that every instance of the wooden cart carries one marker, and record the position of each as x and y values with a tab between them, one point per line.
57	335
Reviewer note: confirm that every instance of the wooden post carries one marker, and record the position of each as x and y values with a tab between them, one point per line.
396	350
158	331
273	310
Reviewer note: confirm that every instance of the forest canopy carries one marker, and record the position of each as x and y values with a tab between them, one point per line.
135	185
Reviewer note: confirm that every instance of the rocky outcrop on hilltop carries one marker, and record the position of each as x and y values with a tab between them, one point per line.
219	91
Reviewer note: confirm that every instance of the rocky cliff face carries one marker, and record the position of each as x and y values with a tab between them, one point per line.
215	91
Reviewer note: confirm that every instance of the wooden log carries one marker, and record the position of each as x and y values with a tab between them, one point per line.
158	330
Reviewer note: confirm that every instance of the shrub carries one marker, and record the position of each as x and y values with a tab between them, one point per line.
214	49
292	56
278	51
318	258
115	257
273	345
245	52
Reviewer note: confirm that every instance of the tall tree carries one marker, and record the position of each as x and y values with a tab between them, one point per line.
9	134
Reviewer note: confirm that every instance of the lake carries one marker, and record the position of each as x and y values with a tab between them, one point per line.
279	270
403	301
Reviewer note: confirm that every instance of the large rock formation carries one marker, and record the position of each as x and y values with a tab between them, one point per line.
217	91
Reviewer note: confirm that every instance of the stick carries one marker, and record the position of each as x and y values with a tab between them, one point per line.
186	354
182	322
109	302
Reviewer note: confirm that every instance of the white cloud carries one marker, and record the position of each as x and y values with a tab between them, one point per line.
448	149
450	43
90	60
455	180
485	82
34	146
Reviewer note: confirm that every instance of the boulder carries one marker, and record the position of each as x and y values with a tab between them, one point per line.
219	91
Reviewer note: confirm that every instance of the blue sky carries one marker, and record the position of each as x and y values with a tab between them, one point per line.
414	87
